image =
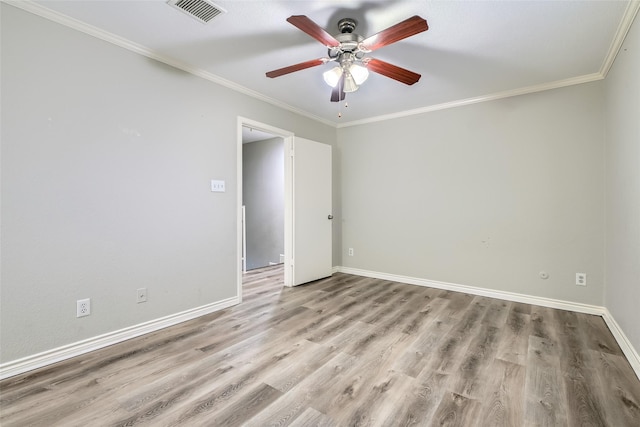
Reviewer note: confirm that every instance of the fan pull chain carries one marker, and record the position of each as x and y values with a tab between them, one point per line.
346	105
340	86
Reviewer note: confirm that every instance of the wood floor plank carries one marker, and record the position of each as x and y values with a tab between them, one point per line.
545	396
456	410
497	313
619	392
584	407
312	418
211	398
300	368
342	351
375	402
417	405
242	410
354	398
503	395
514	339
520	307
543	323
473	372
451	350
597	335
432	332
294	403
419	320
458	303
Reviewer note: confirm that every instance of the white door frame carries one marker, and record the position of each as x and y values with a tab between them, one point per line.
287	136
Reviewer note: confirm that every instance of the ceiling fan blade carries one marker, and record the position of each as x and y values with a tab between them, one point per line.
296	67
392	71
314	30
337	93
402	30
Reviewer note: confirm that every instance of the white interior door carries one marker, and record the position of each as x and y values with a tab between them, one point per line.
312	215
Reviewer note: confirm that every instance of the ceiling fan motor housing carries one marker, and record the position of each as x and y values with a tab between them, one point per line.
349	41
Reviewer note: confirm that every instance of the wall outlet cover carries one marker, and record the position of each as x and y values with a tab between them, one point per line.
141	295
217	186
83	307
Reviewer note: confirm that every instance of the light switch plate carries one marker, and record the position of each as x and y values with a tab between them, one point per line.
217	186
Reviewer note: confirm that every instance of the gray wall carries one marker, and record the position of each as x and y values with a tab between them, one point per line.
107	158
485	195
622	292
263	198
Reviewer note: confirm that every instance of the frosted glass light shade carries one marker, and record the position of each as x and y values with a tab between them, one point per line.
349	83
332	77
354	76
359	73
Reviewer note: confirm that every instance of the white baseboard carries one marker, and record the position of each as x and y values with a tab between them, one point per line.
509	296
68	351
624	343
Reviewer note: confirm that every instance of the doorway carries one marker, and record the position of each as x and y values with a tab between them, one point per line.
262	199
307	206
264	212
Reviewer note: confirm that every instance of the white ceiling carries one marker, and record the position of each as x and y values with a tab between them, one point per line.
472	48
254	135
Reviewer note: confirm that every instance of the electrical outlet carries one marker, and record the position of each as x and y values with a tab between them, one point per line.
581	279
142	295
350	251
83	307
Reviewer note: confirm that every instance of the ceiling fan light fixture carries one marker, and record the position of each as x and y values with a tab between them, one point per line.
350	84
332	77
359	73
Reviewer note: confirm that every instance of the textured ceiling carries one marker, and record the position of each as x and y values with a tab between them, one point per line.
472	48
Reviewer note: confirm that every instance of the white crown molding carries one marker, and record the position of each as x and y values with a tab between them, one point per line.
624	343
483	98
44	12
59	354
621	33
623	29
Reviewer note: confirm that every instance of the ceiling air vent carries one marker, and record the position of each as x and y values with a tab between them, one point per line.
202	10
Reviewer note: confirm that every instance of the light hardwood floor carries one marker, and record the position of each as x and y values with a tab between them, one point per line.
344	351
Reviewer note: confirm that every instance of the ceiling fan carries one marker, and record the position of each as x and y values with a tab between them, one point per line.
349	51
